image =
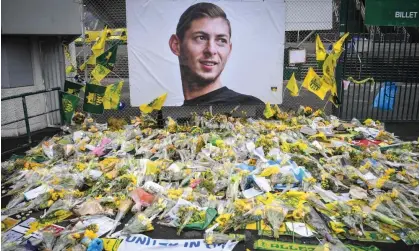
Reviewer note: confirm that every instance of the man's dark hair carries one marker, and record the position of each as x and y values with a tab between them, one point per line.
198	11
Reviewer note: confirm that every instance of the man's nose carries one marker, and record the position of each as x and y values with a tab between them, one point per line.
211	48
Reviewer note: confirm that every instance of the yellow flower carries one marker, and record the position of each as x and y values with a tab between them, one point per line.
308	110
76	236
174	193
310	180
209	239
269	171
285	147
223	219
298	213
78	193
242	205
90	234
82	147
81	166
380	182
389	171
368	122
258	212
50	202
337	227
93	227
33	226
317	113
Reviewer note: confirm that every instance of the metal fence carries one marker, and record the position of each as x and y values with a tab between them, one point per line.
112	13
389	55
27	99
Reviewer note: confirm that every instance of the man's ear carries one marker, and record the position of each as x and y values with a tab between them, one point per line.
174	44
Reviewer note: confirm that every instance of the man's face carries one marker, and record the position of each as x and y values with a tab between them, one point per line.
205	49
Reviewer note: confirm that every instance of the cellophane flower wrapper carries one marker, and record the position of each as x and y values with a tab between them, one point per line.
328	246
123	209
275	215
317	223
61	204
64	241
141	198
139	223
212	237
185	214
233	187
48	240
155	208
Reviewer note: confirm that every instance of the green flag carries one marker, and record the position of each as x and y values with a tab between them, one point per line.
108	58
93	98
72	88
112	96
69	104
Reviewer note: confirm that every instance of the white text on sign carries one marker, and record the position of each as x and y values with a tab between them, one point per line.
402	14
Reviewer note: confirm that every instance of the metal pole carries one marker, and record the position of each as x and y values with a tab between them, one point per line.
83	34
307	37
25	112
60	102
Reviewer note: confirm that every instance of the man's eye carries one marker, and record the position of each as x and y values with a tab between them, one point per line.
222	40
201	38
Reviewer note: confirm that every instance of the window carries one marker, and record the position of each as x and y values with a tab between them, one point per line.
16	62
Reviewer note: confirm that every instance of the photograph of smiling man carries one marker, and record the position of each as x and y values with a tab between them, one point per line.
203	44
201	53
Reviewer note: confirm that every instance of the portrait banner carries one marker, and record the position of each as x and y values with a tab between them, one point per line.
206	53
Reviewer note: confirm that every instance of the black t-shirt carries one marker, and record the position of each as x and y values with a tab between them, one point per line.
223	96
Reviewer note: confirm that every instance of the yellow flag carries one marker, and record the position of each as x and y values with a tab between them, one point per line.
69	69
292	86
336	57
99	47
337	47
315	84
329	70
83	66
320	50
112	96
90	61
156	104
100	72
268	112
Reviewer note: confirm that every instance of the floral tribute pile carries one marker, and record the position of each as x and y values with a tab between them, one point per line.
216	173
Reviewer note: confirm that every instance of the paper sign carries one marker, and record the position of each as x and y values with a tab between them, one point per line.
12	236
104	223
297	56
9	223
17	233
141	242
299	228
250	193
27	222
54	228
32	194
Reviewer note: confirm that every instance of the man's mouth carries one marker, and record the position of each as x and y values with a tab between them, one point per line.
209	63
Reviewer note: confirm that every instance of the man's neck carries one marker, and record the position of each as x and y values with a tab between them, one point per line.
193	90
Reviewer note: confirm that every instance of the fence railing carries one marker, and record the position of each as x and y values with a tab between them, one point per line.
26	115
392	61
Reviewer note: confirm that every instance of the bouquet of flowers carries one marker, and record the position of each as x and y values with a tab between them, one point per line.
275	215
212	237
139	223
